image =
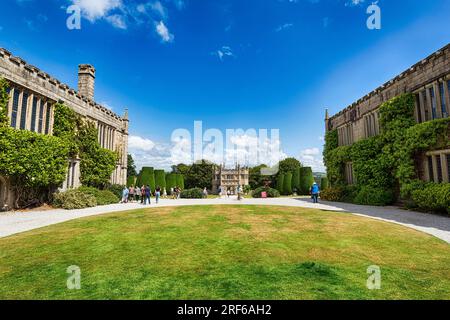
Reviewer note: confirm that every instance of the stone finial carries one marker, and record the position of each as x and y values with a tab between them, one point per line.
86	80
125	115
327	116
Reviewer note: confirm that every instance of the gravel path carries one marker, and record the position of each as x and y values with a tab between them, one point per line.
438	226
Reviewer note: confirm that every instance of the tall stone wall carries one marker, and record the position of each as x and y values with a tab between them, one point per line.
113	129
418	77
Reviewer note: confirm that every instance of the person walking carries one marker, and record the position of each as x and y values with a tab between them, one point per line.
142	194
205	193
131	194
165	193
157	194
148	193
138	194
125	193
315	191
239	192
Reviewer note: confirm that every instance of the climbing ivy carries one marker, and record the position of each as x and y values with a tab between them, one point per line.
36	164
386	162
3	102
97	163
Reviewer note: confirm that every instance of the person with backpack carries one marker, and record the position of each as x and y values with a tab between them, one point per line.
315	191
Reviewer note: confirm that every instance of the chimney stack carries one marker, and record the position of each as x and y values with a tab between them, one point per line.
86	80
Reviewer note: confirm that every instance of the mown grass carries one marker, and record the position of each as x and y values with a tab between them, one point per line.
224	252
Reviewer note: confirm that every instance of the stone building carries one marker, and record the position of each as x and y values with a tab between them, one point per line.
230	179
429	81
33	94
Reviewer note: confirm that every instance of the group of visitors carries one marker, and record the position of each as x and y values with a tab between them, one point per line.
175	192
143	194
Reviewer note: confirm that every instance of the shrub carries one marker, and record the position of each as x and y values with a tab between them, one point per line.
374	196
74	199
271	193
434	197
339	193
103	197
116	189
280	183
335	194
306	180
287	184
195	193
324	183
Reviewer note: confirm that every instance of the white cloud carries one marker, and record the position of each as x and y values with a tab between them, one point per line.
137	143
97	9
164	32
351	3
312	158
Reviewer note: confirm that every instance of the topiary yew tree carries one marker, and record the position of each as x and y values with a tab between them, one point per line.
306	179
280	183
147	177
287	184
160	179
171	181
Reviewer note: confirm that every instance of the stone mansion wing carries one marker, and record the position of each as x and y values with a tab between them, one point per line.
33	94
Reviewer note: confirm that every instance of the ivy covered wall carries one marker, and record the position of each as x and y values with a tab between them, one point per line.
36	165
384	166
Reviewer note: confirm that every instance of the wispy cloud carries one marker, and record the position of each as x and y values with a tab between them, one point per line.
122	14
223	52
164	32
284	27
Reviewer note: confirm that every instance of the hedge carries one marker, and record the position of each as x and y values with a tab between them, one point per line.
195	193
280	183
296	181
306	180
160	179
271	193
103	197
131	181
147	177
287	184
74	199
433	197
374	196
171	182
180	181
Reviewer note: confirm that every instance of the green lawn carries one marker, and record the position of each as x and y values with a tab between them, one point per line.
224	252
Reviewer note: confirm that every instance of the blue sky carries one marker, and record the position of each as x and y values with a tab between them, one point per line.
270	64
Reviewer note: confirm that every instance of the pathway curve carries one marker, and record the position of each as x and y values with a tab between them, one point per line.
438	226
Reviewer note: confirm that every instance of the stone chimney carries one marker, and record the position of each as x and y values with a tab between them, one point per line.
86	80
